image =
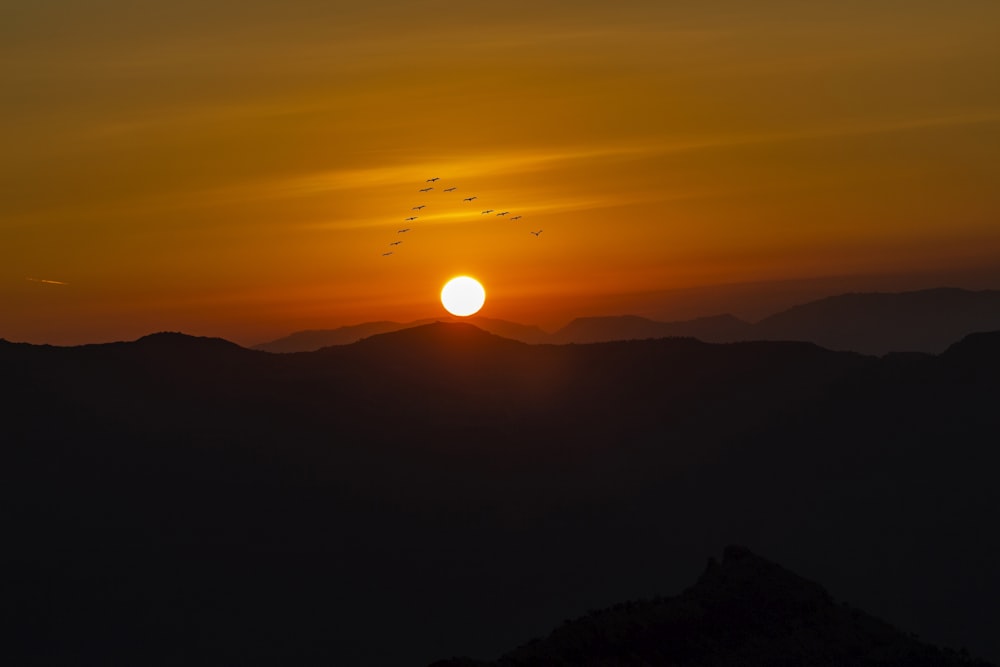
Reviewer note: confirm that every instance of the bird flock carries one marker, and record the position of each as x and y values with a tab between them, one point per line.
469	201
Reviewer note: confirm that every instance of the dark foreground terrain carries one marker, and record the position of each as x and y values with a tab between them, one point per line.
441	491
742	612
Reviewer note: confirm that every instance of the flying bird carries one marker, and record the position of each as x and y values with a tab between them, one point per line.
503	212
425	189
400	231
450	189
395	243
536	233
489	210
436	178
386	254
417	208
470	198
516	217
412	217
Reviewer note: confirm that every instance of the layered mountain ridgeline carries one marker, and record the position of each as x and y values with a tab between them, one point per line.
873	323
742	612
458	491
314	339
924	321
718	329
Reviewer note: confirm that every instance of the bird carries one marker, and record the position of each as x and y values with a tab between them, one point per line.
400	231
516	217
425	189
386	254
503	212
436	178
489	210
417	208
395	243
412	217
536	233
450	189
470	198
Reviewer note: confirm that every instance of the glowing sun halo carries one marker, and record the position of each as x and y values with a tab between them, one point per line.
463	296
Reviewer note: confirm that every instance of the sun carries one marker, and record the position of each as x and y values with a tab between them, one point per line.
463	296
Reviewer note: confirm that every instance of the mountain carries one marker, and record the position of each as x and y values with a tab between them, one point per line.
314	339
443	490
877	323
742	612
526	333
716	329
870	323
309	341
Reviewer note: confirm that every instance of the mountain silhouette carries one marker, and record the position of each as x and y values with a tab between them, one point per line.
309	341
458	491
870	323
924	321
314	339
719	328
743	612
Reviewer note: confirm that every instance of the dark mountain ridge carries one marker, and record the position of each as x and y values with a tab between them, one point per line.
869	323
742	612
714	329
458	491
925	320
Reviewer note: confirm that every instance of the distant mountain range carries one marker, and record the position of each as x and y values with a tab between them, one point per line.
742	612
871	323
441	490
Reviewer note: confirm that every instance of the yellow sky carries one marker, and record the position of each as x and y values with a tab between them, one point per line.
238	169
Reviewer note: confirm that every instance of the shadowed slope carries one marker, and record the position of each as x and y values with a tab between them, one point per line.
742	612
458	492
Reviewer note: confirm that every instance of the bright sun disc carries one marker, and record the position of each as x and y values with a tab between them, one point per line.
463	296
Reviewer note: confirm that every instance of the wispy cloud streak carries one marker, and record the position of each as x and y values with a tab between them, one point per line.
46	282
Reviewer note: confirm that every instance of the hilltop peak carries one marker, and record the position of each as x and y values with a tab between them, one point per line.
179	340
744	575
744	611
436	332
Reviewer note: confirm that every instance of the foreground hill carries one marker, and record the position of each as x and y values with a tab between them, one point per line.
742	612
870	323
185	500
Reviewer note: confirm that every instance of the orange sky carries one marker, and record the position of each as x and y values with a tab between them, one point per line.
238	169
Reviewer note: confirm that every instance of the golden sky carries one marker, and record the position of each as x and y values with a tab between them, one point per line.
238	168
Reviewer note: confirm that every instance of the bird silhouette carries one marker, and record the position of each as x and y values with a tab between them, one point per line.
417	208
386	254
489	210
536	233
470	198
412	217
516	217
431	180
400	231
450	189
395	243
503	212
426	189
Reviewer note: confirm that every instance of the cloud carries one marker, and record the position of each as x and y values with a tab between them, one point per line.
46	282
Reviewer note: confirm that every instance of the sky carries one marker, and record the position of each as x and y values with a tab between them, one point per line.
238	169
